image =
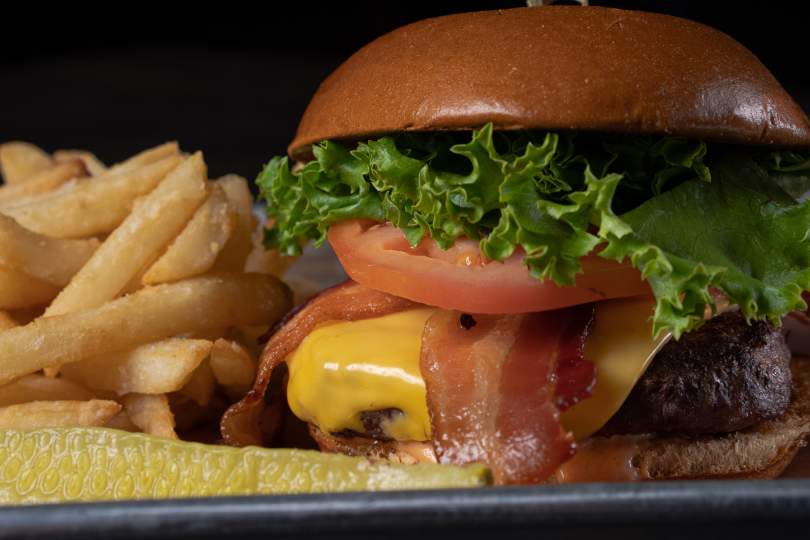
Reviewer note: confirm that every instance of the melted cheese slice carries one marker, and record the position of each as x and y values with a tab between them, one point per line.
621	347
343	369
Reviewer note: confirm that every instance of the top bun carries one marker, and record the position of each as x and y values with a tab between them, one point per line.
555	67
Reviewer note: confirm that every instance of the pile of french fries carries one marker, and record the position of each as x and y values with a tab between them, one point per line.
131	296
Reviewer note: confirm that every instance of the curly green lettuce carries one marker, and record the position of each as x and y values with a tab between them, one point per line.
690	217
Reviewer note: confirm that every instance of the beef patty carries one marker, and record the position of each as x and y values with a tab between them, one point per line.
725	376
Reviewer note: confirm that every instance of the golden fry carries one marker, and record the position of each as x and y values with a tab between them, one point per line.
233	256
146	157
195	250
7	206
7	321
96	206
137	241
51	414
200	386
151	414
43	181
24	316
93	165
19	290
20	161
53	260
268	261
232	366
41	388
121	421
156	368
149	315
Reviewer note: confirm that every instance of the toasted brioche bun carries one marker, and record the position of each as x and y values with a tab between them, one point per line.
763	451
555	67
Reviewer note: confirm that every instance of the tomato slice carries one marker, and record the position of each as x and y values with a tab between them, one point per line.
379	257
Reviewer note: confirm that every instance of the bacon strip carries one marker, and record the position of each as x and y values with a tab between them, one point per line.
576	376
492	392
348	301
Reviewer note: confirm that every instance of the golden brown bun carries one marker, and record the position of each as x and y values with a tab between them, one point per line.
555	67
763	451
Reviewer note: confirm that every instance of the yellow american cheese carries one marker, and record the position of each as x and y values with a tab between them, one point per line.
621	347
343	369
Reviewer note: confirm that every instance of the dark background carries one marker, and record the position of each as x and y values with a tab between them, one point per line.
233	80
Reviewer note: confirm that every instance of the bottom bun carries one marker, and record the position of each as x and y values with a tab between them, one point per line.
800	466
762	451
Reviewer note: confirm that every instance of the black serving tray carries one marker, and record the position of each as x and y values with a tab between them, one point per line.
683	510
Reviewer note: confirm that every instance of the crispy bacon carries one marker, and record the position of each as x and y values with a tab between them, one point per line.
349	301
492	392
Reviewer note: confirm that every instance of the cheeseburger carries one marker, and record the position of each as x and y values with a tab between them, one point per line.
573	235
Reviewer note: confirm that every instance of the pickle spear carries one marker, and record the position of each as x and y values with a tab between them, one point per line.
93	464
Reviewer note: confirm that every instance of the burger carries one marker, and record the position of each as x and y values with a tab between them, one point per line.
573	235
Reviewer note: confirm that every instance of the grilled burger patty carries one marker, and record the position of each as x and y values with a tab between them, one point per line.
726	376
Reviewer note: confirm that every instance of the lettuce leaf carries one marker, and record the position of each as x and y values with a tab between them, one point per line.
738	233
688	216
790	170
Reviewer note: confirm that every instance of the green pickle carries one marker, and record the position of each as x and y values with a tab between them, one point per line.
60	465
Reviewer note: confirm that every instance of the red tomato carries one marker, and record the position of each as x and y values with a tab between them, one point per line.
379	257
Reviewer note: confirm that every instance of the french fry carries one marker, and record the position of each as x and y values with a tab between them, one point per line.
37	197
232	366
53	260
41	388
187	414
250	337
146	157
263	260
122	422
200	386
267	261
151	414
7	321
195	250
25	315
235	253
93	165
137	241
19	290
156	368
51	414
149	315
20	161
43	181
211	334
96	206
